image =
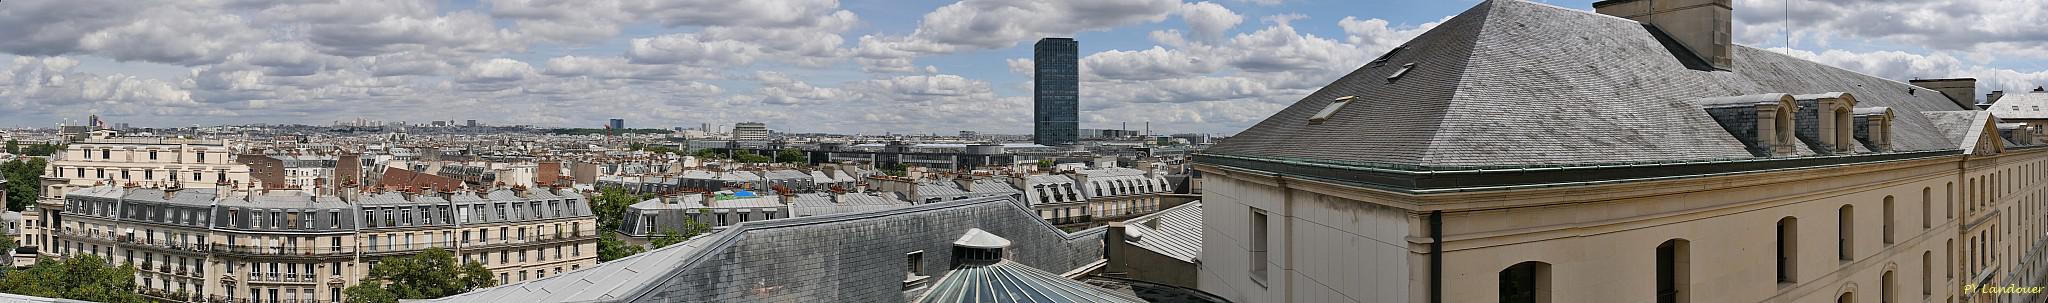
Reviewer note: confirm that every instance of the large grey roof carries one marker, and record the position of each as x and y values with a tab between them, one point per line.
856	257
813	204
1513	83
2025	105
1178	233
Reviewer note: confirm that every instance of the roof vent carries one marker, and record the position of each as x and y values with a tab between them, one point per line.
1330	109
978	247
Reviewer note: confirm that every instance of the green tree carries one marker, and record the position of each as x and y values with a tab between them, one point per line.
430	274
790	155
1045	163
610	248
13	147
753	158
22	187
84	277
610	205
691	228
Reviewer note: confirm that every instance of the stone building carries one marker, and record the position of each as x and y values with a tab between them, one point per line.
289	246
1522	152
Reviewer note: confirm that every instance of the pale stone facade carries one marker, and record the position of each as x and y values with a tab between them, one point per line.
288	246
1566	156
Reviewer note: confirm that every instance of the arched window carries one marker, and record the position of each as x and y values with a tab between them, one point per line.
1948	194
1847	297
1845	232
1788	250
1926	274
1888	288
1887	220
1926	207
1845	130
1674	271
1526	282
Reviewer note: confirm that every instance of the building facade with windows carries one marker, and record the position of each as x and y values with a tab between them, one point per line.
289	246
1522	152
147	161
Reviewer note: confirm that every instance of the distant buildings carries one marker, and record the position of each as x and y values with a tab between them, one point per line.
1055	93
616	123
750	131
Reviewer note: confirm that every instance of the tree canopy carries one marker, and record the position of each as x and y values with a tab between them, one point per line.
609	248
749	157
83	277
22	175
430	274
790	155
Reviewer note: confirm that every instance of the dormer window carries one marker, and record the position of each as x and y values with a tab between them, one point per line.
1764	123
1874	128
1834	129
1328	110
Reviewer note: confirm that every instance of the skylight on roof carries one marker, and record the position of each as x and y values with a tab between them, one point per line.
1331	109
1389	55
1398	73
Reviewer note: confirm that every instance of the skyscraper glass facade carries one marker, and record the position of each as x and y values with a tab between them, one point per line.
1056	92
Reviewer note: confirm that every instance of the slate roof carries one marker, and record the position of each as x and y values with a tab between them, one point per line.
813	204
1178	233
809	259
2026	105
1518	84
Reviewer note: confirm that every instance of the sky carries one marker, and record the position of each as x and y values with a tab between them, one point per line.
851	67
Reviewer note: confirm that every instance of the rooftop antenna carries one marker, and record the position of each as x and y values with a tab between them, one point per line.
1788	27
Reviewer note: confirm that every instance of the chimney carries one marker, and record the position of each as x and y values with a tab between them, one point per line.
1700	26
1962	91
1994	96
547	171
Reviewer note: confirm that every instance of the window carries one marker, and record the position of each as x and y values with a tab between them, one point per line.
1887	291
337	266
502	279
1948	193
1674	271
1526	282
202	158
915	261
152	155
1258	246
1887	220
1927	273
1331	109
1926	208
1788	250
1845	233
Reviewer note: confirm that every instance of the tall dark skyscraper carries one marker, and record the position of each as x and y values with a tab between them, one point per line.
1056	94
616	123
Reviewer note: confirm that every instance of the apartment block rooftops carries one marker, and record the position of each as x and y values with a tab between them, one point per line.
1524	93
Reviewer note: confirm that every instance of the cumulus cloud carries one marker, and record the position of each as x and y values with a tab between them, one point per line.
1903	66
1987	27
1209	20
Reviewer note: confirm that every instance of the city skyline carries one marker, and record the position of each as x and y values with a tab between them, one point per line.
812	66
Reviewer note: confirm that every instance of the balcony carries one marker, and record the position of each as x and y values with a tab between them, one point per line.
281	251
